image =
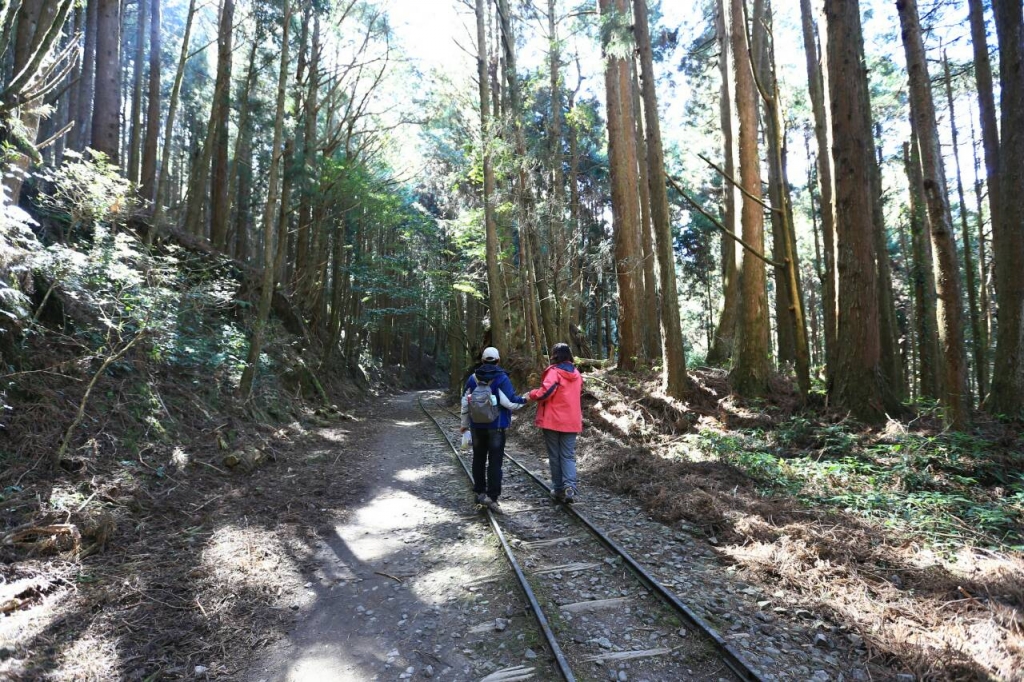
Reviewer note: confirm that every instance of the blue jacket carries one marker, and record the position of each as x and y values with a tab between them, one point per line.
501	386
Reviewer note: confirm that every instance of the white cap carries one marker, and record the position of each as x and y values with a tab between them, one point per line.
490	354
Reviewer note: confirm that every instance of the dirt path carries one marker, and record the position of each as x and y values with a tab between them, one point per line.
356	554
408	583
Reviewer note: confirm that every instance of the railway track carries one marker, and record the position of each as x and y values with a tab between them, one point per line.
598	609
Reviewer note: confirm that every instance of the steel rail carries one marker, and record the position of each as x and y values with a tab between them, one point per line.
732	658
542	621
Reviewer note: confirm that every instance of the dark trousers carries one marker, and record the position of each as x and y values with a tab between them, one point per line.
488	456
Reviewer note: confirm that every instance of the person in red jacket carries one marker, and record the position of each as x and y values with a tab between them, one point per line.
560	417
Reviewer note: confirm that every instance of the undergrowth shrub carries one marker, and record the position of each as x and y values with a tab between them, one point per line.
949	488
17	243
99	306
84	191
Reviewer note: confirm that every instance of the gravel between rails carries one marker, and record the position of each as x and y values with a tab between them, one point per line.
782	638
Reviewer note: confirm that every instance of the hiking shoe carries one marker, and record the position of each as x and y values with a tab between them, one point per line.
557	496
494	507
569	495
482	499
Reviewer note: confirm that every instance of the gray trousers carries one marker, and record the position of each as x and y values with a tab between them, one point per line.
561	458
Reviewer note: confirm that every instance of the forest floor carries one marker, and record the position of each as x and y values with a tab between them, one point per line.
352	552
908	537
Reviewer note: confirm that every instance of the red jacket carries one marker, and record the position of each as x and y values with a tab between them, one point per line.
558	399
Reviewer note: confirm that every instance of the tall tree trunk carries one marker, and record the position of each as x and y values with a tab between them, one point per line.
220	198
284	213
986	105
270	213
765	78
983	269
579	300
561	264
533	325
75	82
241	181
203	195
66	106
456	342
135	132
922	279
197	197
751	370
38	26
622	162
817	80
523	188
473	325
892	370
1007	396
790	306
722	347
495	286
337	319
672	336
978	336
651	329
240	173
955	395
817	343
309	155
608	344
149	147
910	369
856	382
87	83
106	112
172	105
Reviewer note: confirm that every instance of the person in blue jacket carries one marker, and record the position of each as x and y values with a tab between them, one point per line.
489	438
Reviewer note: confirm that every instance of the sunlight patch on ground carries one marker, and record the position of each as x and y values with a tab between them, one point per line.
936	617
367	536
25	625
313	667
247	557
334	435
460	570
407	424
66	498
90	657
179	458
413	475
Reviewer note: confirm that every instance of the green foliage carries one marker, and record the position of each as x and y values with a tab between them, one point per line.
934	486
114	288
717	444
85	190
172	297
17	241
617	35
828	440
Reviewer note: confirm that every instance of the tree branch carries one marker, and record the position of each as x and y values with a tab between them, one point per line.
111	359
717	223
737	185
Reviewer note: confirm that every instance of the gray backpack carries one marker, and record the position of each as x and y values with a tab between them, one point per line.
483	408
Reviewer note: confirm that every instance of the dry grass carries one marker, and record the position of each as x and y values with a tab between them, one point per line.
140	555
943	615
203	565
